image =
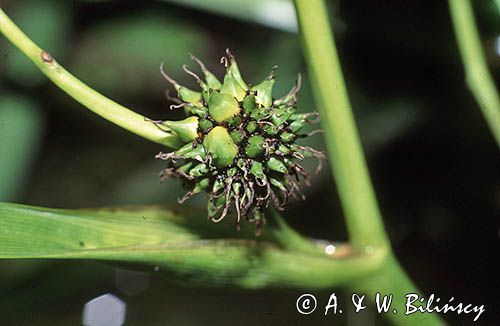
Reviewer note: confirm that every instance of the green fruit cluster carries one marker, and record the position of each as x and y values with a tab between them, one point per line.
240	144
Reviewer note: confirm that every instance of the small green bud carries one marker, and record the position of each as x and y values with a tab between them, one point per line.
281	115
220	146
214	205
199	170
276	165
270	129
185	94
249	104
206	93
282	150
235	71
218	185
258	171
191	110
241	164
277	184
237	137
291	97
234	121
212	81
232	87
198	153
222	106
252	126
205	124
186	129
297	125
260	113
288	162
232	172
189	96
264	93
287	136
237	188
184	150
201	185
186	167
255	146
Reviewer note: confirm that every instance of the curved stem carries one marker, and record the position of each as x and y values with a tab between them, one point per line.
477	75
364	221
346	156
82	93
289	239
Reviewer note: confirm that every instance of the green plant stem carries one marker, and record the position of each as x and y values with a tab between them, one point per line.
364	221
477	75
289	239
82	93
346	157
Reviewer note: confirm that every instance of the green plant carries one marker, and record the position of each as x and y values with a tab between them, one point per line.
240	144
180	245
476	72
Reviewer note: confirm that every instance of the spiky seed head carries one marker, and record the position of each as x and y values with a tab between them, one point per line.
240	143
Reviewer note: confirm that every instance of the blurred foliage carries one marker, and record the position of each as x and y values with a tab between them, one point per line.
21	125
278	14
121	56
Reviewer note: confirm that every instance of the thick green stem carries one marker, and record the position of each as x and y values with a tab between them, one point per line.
82	93
391	279
477	75
364	221
347	161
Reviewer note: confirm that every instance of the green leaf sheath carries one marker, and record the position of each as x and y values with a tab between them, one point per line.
82	93
164	241
345	154
477	75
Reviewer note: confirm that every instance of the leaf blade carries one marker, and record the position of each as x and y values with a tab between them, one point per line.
163	240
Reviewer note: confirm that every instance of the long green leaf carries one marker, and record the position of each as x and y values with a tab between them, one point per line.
178	245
